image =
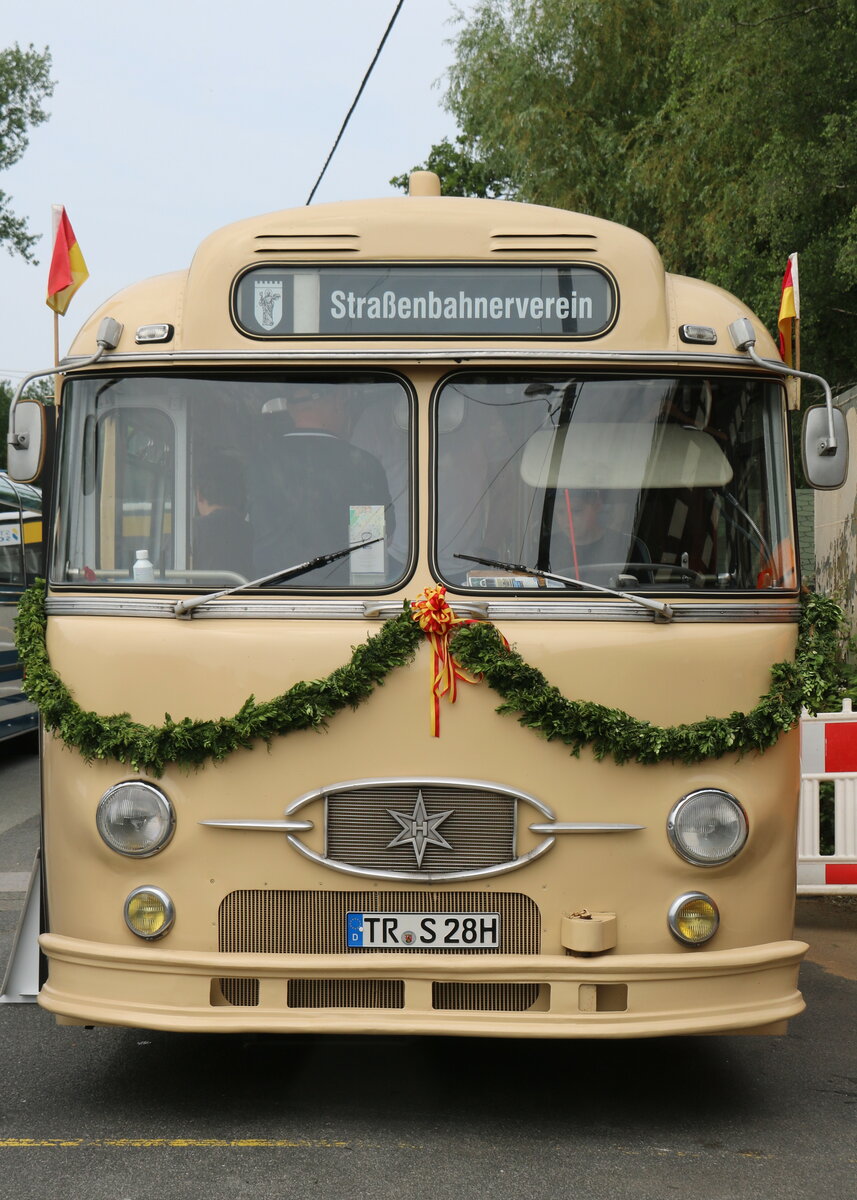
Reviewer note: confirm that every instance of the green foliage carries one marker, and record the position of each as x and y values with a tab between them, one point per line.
725	130
307	705
460	173
25	84
758	137
39	389
811	681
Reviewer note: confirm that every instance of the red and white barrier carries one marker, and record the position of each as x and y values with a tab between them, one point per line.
828	744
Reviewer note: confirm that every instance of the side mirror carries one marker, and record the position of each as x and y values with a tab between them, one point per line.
824	471
26	449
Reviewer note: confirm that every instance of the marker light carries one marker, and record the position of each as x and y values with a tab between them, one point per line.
154	333
135	819
707	828
149	912
693	918
698	333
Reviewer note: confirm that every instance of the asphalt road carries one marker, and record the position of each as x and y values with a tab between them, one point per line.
118	1114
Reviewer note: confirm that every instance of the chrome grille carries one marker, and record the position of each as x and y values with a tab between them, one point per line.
480	829
303	922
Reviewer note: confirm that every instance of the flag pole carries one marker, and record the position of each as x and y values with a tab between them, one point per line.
56	211
57	384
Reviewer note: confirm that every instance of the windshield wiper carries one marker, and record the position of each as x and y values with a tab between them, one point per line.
183	607
661	610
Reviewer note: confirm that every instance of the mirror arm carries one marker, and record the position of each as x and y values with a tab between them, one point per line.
744	338
109	333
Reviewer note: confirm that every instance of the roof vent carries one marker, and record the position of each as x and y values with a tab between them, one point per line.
423	183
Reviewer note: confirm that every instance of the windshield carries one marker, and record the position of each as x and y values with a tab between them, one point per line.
211	481
673	484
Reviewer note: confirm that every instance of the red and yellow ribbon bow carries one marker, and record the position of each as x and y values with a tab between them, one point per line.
437	621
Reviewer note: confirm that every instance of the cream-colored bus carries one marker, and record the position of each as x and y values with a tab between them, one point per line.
362	475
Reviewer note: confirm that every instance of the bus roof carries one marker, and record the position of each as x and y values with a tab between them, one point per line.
653	306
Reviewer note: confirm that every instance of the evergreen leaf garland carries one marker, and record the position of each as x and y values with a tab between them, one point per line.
810	681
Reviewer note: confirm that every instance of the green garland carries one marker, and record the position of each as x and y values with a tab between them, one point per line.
809	681
188	743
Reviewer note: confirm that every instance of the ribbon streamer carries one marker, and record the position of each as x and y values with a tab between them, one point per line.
438	622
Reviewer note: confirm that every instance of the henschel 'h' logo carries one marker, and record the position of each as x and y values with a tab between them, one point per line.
419	829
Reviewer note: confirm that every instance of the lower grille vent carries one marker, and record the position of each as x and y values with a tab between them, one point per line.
243	993
346	993
485	997
284	922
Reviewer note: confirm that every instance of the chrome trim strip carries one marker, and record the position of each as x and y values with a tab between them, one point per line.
587	610
582	827
262	826
315	609
423	876
474	785
455	354
384	609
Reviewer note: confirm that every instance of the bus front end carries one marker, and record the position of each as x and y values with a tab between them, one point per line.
410	627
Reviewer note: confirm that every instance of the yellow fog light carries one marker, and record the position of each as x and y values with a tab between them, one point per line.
693	918
149	912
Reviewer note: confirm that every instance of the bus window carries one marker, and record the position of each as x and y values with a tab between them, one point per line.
643	483
11	541
20	563
224	480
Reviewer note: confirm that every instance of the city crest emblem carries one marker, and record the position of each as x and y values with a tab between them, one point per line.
268	302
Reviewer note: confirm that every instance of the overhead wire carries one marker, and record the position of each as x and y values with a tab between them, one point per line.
355	101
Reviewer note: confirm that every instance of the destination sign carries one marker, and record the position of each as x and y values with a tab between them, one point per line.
572	301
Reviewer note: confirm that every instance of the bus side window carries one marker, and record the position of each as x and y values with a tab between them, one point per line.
11	544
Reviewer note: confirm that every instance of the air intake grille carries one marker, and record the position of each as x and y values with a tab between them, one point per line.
242	992
485	997
346	993
533	243
333	241
280	922
480	828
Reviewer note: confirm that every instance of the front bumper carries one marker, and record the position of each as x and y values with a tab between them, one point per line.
753	988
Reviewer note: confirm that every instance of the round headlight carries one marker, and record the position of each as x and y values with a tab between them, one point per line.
693	918
707	828
149	912
135	819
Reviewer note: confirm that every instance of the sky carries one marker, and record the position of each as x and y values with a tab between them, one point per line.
172	118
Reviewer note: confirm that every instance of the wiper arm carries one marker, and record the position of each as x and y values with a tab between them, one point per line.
183	607
661	610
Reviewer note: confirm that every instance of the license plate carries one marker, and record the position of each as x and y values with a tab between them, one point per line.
423	931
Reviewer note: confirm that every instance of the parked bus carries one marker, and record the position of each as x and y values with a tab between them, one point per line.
394	540
20	563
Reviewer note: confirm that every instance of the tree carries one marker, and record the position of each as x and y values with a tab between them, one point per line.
725	130
461	174
25	84
758	137
39	389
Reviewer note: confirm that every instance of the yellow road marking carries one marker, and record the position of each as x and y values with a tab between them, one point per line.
192	1143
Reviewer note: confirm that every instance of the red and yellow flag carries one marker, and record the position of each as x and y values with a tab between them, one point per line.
68	270
789	310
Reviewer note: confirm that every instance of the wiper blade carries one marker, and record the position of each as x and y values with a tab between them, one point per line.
661	610
183	607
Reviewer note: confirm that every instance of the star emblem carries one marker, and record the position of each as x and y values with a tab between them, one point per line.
419	829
